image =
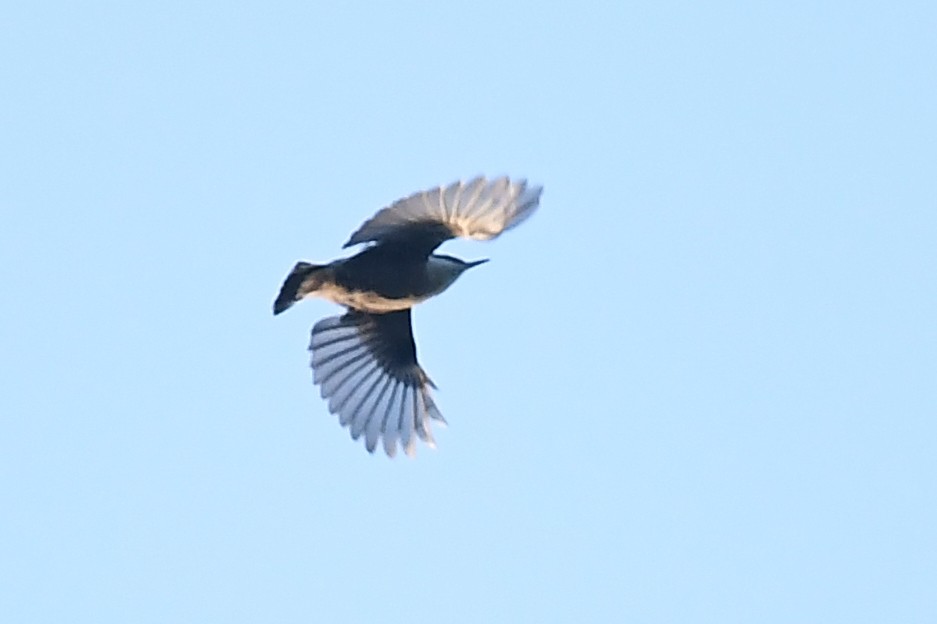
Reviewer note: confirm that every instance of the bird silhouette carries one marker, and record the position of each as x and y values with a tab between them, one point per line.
364	361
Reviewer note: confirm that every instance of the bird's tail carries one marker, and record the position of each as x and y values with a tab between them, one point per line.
300	282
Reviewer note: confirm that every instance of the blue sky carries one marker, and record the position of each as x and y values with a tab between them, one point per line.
697	386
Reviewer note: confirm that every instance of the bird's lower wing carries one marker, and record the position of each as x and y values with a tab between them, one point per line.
365	366
480	209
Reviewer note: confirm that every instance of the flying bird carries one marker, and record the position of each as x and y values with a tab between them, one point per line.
364	361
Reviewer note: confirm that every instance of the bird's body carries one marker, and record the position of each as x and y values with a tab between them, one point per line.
376	280
365	361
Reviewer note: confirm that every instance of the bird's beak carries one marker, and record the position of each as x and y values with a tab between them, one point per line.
476	263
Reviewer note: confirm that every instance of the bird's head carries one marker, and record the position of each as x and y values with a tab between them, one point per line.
444	270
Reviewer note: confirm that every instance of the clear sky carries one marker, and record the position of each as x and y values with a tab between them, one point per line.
699	385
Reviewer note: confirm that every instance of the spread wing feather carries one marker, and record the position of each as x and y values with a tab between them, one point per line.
366	367
480	209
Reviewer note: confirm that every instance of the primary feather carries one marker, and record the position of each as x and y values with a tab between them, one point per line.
479	209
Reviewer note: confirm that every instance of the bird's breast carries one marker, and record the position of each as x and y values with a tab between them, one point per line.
366	300
379	281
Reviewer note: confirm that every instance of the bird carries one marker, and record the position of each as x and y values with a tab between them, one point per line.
364	361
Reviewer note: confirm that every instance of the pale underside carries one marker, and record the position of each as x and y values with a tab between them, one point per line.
364	300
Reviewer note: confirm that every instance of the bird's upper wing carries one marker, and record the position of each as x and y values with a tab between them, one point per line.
480	209
366	367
